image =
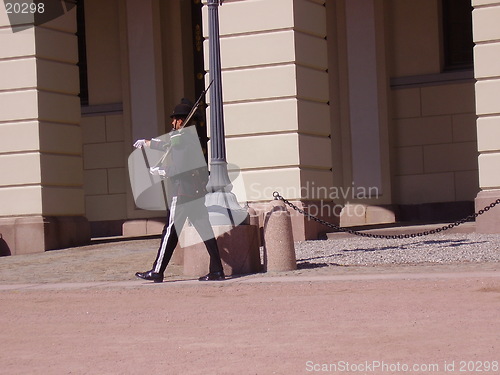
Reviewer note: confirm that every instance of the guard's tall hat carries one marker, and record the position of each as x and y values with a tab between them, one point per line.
182	109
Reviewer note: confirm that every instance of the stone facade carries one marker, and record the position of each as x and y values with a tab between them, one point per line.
41	183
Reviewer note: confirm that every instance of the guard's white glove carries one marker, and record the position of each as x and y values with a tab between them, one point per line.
157	171
140	143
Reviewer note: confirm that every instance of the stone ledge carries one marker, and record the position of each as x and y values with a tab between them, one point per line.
35	234
489	222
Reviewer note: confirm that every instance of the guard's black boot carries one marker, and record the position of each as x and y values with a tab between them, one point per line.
150	275
213	276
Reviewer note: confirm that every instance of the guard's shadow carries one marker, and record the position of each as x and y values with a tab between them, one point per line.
404	246
308	265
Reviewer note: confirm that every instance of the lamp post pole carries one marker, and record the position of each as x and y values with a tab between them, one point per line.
219	178
222	204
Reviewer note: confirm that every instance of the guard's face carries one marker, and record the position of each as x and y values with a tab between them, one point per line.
177	123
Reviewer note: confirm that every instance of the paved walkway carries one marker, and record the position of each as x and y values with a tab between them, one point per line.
82	311
114	262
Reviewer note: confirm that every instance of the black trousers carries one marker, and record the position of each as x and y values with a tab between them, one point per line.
180	210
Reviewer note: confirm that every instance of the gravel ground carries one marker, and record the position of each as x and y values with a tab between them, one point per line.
435	249
119	260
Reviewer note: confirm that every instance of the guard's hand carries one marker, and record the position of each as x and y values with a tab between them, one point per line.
140	143
157	171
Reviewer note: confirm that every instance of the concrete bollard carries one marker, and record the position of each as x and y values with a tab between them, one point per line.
279	251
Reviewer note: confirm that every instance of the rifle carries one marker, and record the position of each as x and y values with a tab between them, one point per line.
196	105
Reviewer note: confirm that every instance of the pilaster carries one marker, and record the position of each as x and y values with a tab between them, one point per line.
487	72
40	139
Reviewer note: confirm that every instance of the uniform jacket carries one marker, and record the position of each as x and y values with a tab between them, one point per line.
185	167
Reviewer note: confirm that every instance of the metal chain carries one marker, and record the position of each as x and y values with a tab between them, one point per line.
277	196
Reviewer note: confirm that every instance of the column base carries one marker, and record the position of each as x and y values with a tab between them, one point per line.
35	234
143	227
361	214
489	222
238	246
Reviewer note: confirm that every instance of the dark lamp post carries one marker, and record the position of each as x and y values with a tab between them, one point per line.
221	202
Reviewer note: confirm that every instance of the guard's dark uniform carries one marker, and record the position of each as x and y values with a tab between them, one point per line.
186	177
186	189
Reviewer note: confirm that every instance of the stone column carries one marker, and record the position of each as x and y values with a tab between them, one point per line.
144	94
145	69
358	73
487	72
41	193
277	125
